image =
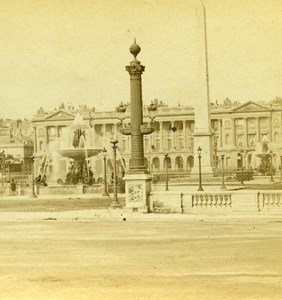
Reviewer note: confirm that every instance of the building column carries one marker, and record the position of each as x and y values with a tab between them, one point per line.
104	134
245	143
270	125
258	131
220	133
47	137
233	133
161	137
173	136
184	134
115	130
35	147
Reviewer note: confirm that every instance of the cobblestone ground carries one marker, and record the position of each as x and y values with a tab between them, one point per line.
159	257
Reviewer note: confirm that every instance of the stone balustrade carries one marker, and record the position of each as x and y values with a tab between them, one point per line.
240	201
212	200
269	200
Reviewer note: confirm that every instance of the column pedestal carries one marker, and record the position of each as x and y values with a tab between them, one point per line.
137	189
203	140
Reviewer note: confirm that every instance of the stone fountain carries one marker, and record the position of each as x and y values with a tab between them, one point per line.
261	160
79	153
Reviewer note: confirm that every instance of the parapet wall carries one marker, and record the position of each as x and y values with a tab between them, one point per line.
216	202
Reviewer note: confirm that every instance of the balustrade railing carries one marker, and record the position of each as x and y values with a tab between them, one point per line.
268	200
212	200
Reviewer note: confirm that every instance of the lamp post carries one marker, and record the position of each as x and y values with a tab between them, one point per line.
9	174
105	192
271	169
242	164
33	194
2	166
115	203
215	151
280	168
166	171
137	179
223	187
200	170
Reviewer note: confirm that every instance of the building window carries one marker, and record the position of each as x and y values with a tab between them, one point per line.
251	140
227	139
239	140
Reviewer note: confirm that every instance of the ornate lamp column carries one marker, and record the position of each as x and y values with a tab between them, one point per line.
271	169
115	203
166	172
241	154
9	171
137	180
281	165
105	192
215	151
223	187
33	194
200	188
2	165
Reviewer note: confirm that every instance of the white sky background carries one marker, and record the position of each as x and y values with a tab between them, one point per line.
54	51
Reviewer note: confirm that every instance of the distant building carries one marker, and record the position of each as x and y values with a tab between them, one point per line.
16	147
234	127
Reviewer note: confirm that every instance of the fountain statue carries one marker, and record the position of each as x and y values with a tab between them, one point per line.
261	160
79	153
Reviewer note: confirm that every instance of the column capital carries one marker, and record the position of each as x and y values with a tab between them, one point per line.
135	68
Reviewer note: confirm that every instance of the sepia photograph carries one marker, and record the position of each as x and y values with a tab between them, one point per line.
140	149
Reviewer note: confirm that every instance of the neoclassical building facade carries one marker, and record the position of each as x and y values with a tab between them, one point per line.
234	127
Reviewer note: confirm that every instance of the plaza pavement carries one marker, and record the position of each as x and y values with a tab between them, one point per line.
73	248
79	256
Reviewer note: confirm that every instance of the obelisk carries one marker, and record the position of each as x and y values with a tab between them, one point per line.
202	130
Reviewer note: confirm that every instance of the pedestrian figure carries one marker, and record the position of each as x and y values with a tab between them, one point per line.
13	187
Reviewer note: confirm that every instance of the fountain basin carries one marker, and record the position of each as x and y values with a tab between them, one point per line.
76	153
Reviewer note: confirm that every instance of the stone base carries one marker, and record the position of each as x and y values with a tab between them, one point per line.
137	189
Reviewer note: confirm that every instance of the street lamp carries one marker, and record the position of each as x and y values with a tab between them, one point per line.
166	172
223	187
271	169
215	151
121	113
105	192
115	203
242	164
9	174
2	165
200	171
33	195
152	108
281	167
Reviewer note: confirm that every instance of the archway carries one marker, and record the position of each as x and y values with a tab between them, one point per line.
156	164
190	163
179	163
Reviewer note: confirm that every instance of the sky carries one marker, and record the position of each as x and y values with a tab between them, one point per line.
55	51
